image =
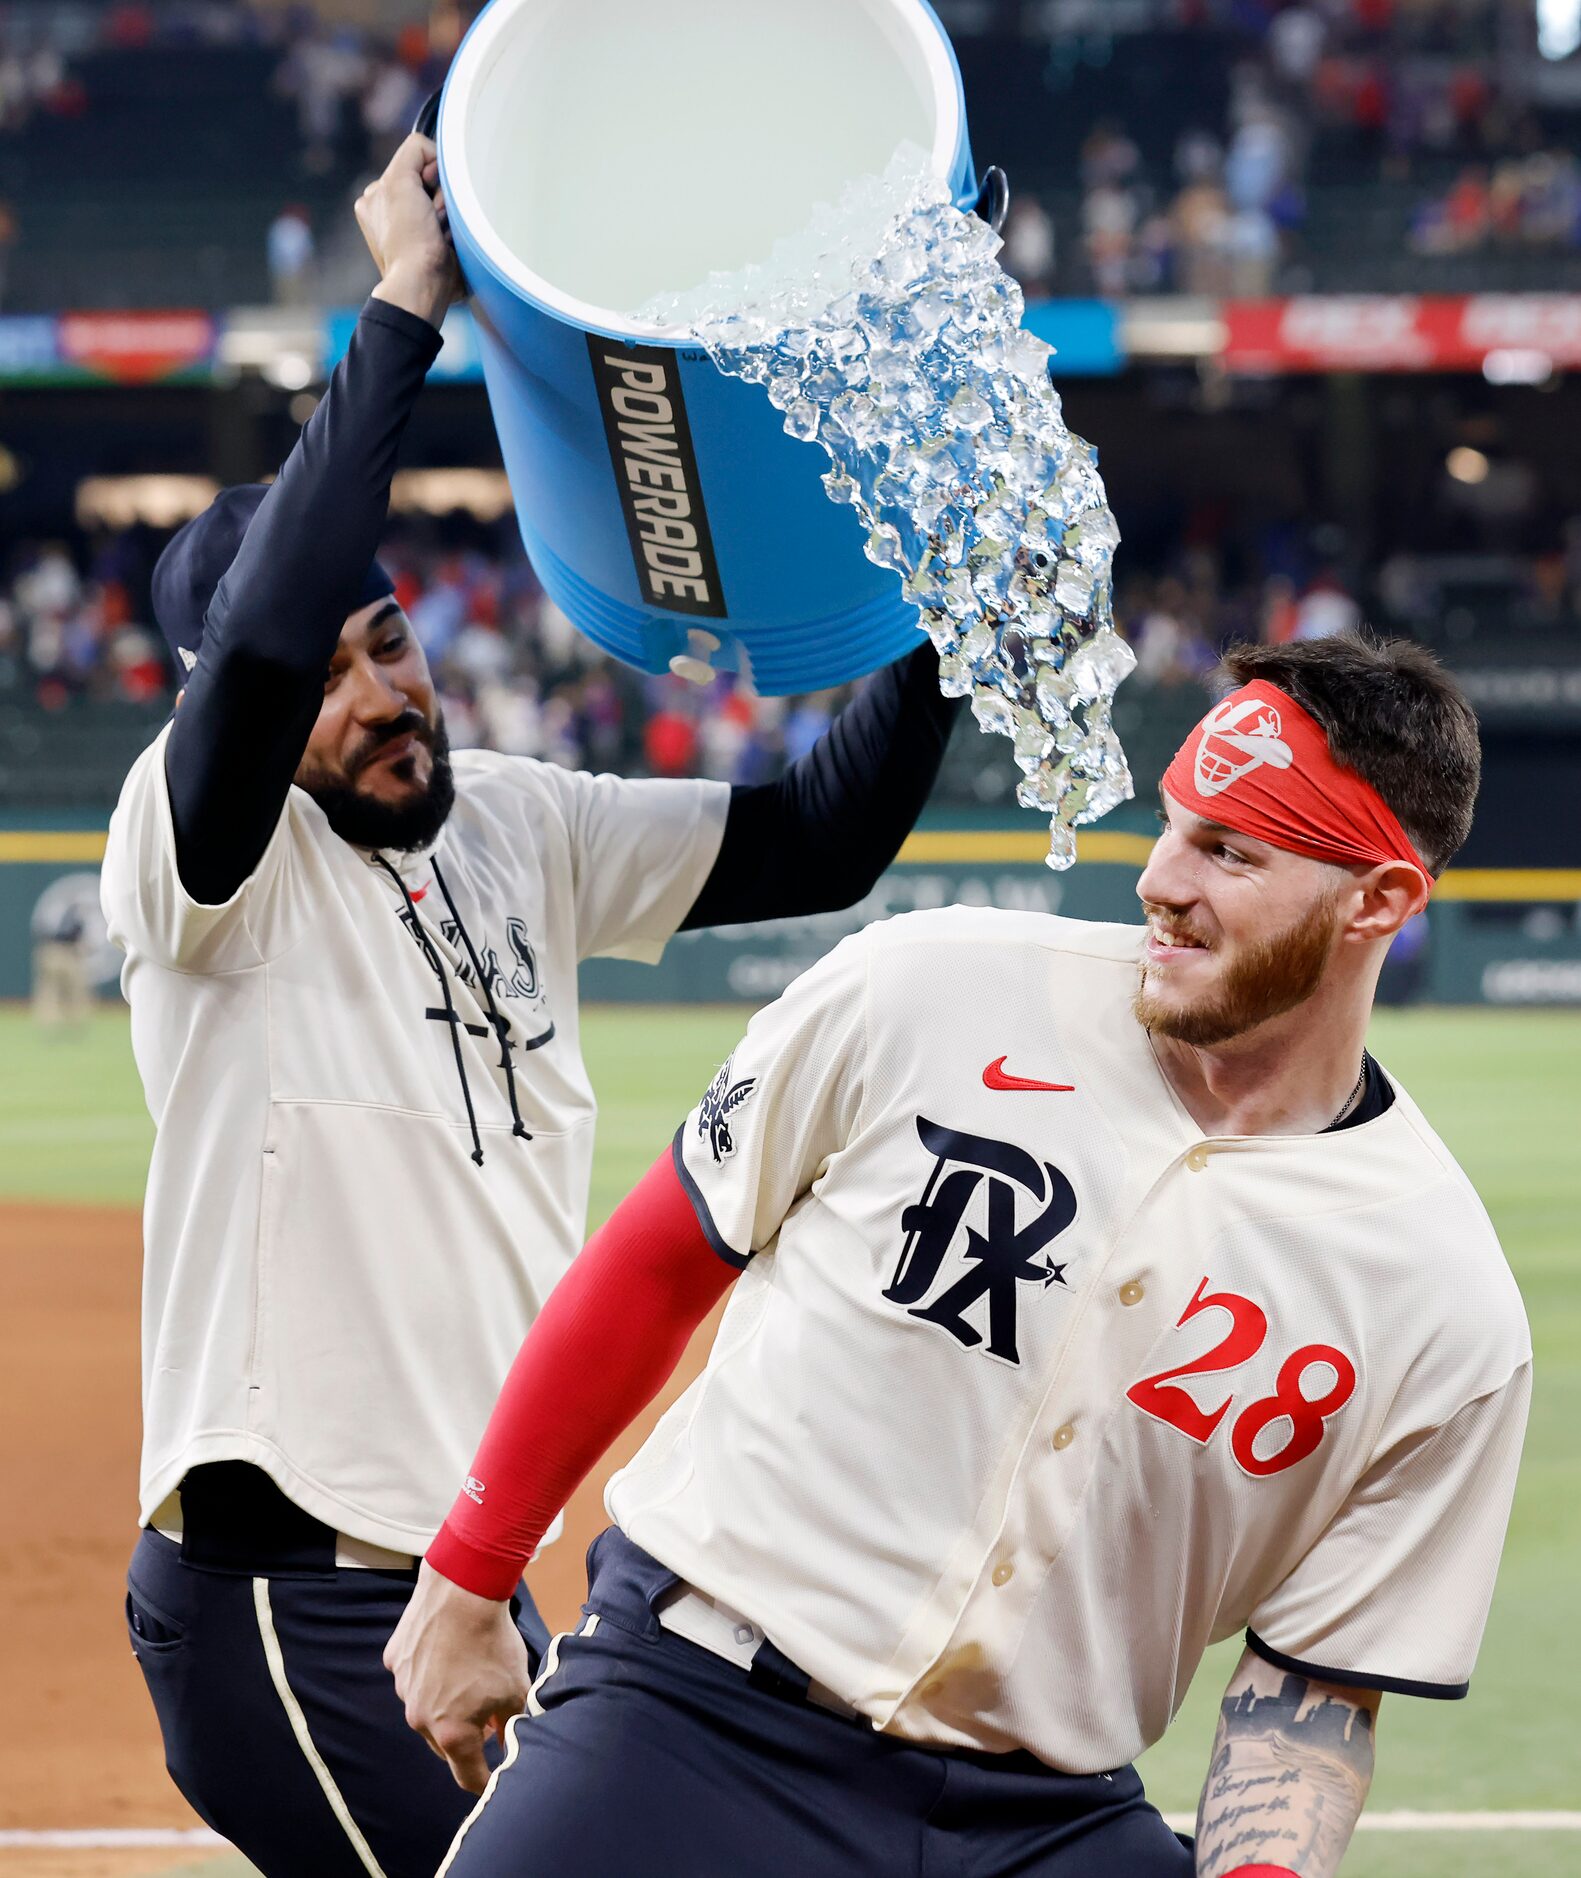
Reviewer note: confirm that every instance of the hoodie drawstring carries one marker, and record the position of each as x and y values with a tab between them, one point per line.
452	1016
501	1023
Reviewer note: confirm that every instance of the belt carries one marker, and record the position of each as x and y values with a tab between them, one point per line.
715	1626
351	1554
230	1516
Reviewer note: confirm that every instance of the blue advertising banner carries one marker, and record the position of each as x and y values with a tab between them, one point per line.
27	348
459	362
1085	335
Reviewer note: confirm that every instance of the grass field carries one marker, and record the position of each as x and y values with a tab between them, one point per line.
1504	1089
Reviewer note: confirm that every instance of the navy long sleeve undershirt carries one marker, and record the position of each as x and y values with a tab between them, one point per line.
819	837
271	630
815	840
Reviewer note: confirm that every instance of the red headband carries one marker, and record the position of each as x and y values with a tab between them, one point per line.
1261	765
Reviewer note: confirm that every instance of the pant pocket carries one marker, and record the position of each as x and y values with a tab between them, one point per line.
153	1632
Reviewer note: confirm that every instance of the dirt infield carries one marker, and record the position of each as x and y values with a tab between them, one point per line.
78	1743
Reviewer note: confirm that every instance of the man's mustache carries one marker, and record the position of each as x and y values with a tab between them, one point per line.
1187	928
408	724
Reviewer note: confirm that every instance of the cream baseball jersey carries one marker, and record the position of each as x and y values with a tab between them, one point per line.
333	1288
1029	1392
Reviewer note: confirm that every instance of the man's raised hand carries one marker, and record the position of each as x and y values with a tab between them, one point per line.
403	219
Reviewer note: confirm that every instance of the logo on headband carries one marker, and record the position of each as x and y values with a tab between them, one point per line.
1238	736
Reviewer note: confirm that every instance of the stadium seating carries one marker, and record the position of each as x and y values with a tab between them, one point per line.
161	190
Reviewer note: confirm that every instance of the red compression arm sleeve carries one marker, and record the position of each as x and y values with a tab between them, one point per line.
1263	1871
605	1343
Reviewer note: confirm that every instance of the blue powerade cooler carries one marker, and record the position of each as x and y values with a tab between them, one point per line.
597	153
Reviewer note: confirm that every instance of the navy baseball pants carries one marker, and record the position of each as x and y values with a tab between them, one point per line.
643	1755
281	1724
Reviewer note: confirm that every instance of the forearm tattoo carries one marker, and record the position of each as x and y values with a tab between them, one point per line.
1292	1762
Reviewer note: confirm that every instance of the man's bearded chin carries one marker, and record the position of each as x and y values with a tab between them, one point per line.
368	823
1267	979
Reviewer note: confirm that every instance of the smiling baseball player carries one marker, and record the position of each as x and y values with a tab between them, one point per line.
352	967
1097	1297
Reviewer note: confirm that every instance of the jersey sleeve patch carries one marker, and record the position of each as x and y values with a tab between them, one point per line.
705	1218
725	1095
1356	1679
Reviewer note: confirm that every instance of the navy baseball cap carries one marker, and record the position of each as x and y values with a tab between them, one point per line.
192	566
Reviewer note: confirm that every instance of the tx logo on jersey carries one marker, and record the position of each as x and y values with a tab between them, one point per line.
1237	737
999	1254
718	1105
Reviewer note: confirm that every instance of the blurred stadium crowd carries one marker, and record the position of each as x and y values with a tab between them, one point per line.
1412	98
1197	146
514	675
353	89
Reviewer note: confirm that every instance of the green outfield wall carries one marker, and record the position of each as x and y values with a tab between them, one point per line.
1493	935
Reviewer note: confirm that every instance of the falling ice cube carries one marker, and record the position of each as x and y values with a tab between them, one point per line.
992	712
801	419
1073	589
955	675
1062	844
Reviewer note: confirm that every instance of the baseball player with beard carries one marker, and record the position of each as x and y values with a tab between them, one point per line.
1097	1297
351	962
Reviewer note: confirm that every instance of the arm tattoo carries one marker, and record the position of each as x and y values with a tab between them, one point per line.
1292	1762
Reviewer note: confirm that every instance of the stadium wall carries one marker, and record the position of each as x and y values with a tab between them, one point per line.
1494	935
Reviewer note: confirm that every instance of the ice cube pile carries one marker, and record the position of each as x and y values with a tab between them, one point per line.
889	333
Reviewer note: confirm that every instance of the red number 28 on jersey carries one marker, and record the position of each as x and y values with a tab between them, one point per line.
1162	1398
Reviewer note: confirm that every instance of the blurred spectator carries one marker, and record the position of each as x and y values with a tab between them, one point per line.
62	992
1108	156
670	741
1279	612
1460	221
129	25
1199	157
1256	164
389	107
1295	44
1029	244
325	73
1170	646
1251	248
290	244
1325	609
1109	216
1199	223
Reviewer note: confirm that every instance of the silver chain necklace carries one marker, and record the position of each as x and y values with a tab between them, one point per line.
1350	1101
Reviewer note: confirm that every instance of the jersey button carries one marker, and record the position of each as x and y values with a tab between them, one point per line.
1197	1160
1132	1293
1003	1572
1064	1435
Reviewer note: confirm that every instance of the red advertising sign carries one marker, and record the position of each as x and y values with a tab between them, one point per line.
136	348
1524	335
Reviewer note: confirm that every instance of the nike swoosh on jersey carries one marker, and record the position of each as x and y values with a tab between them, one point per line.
997	1077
